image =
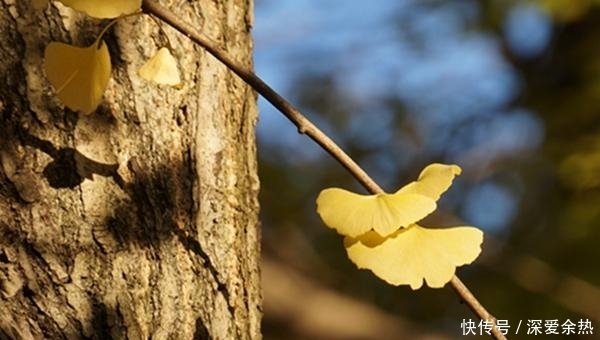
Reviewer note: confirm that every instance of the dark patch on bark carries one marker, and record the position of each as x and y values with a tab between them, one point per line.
69	167
100	321
201	332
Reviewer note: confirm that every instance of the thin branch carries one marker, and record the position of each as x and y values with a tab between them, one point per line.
304	127
474	305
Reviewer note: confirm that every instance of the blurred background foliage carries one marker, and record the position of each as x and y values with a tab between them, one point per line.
509	90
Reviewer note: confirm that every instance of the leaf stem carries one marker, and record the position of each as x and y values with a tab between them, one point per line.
112	22
304	126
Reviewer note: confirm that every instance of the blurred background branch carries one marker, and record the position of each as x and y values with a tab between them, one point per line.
305	308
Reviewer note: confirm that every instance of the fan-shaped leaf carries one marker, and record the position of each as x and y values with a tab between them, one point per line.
414	254
353	214
79	74
104	9
433	181
161	68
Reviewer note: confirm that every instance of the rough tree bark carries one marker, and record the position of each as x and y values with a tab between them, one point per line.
138	221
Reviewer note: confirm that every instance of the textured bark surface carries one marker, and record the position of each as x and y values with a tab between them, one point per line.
138	221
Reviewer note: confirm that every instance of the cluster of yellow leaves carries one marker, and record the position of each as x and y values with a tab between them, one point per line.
80	74
382	234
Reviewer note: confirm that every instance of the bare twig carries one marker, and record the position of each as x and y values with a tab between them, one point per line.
304	126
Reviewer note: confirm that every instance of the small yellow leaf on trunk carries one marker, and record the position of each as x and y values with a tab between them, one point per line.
104	9
79	74
161	68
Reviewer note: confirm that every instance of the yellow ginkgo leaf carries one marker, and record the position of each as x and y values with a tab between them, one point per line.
433	181
104	9
416	253
39	4
161	69
353	214
79	74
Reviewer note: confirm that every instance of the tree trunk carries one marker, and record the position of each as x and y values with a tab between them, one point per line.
138	221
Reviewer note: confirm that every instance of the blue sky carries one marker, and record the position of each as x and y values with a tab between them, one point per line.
453	80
